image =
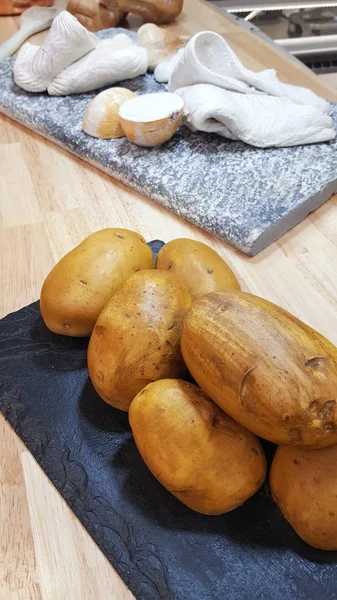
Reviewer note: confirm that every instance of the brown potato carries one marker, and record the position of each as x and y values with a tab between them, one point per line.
197	452
150	11
137	336
81	283
268	370
198	266
304	486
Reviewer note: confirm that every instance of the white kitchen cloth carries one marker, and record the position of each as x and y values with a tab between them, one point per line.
113	60
259	120
224	97
208	58
66	42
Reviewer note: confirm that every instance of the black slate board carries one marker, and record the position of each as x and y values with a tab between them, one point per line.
161	549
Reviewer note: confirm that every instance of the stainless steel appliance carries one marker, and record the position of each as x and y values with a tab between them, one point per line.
307	29
250	5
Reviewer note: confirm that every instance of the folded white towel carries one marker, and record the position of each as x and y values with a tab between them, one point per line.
67	41
208	58
222	96
108	64
259	120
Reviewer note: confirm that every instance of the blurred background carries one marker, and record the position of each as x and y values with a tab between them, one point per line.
307	29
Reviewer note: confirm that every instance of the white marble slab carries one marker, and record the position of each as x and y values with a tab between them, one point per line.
245	196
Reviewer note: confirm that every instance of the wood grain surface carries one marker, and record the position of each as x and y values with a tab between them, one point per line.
49	201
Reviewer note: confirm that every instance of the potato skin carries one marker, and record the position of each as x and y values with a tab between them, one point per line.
304	486
78	287
268	370
136	339
196	451
198	266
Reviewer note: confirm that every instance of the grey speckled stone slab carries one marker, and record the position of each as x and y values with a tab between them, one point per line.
245	196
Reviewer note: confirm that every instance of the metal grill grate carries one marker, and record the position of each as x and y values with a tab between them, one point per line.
321	66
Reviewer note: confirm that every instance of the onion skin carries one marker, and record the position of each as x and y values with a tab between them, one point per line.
101	119
140	123
160	43
153	133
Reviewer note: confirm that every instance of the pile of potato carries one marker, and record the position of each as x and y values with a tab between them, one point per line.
261	372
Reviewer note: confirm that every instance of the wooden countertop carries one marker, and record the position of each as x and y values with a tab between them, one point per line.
49	202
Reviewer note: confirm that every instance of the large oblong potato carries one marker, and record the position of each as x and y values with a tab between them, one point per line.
304	486
197	452
137	336
78	287
264	367
198	266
